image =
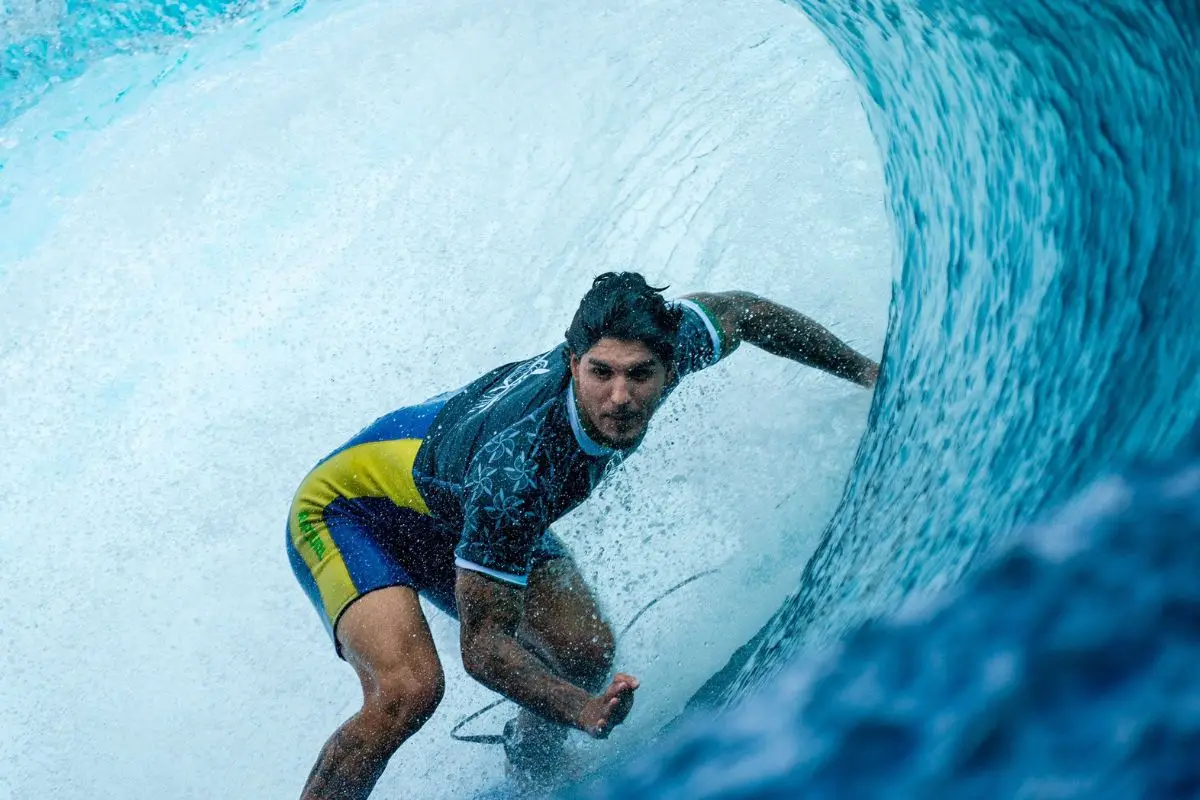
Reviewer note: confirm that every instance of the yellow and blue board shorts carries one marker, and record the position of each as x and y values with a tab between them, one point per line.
358	522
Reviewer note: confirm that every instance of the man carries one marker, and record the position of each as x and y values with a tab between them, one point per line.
452	499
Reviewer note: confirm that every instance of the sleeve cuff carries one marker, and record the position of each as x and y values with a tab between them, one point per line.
709	323
507	577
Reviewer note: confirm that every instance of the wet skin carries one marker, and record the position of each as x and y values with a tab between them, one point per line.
618	386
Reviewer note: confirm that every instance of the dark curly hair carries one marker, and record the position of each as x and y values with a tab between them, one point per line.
622	305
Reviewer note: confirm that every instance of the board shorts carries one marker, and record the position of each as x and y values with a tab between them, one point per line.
359	523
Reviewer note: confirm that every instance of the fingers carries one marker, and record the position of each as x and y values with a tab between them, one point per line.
621	684
870	376
627	679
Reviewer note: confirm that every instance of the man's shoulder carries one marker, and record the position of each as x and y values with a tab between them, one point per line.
535	436
507	393
496	400
529	377
700	342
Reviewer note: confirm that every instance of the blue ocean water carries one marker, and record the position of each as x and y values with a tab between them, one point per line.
1042	362
45	44
1043	165
1064	667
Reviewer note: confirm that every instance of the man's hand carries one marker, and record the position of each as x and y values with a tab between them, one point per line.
870	376
609	709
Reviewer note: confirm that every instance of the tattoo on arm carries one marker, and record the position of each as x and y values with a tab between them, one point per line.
490	610
785	332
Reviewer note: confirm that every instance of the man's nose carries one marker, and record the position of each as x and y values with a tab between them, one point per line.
620	392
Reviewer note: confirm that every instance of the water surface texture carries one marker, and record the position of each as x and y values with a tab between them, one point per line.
233	233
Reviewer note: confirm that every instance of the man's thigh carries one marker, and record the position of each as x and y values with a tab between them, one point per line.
562	616
385	637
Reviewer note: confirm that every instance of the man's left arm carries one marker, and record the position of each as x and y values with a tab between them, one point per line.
785	332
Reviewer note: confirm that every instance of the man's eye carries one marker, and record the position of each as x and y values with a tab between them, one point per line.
600	372
641	375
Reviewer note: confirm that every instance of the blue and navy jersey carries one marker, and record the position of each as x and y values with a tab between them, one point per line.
506	455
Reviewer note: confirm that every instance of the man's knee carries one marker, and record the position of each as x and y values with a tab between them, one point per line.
403	702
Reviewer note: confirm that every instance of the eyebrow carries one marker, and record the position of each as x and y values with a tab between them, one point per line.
649	363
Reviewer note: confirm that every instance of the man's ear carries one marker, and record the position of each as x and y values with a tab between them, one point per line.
572	362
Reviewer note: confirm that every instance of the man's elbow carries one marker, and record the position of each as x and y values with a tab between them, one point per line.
475	658
756	307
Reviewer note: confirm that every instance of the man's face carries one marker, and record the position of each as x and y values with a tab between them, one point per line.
618	384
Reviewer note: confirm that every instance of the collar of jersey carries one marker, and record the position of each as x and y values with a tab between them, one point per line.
589	445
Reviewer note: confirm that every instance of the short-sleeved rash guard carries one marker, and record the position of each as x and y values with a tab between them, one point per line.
507	455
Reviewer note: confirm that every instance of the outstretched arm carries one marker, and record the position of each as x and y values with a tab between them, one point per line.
786	332
490	611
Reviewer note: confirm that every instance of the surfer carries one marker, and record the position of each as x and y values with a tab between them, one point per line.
452	499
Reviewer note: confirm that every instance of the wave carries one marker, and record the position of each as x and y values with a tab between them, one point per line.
1042	161
277	230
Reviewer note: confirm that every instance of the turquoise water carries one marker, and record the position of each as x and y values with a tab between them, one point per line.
232	235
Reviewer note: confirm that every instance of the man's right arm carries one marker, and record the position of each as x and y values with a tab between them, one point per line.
490	611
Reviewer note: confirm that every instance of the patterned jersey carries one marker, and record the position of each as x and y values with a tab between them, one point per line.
506	455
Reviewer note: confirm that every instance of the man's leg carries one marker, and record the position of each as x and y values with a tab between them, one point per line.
385	637
563	625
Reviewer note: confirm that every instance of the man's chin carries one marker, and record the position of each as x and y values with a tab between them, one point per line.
623	440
